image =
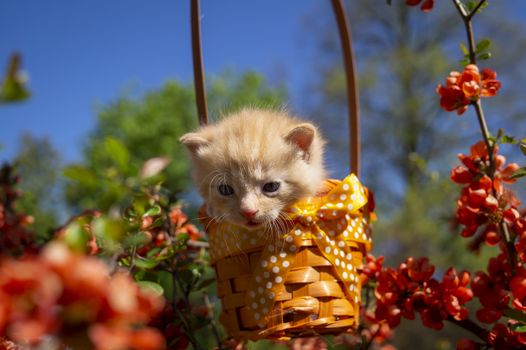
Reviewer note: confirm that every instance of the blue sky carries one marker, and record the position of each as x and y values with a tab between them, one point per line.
83	54
86	53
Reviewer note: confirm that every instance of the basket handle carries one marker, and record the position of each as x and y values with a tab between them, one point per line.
353	106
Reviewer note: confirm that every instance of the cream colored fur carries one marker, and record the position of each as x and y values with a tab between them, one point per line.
248	149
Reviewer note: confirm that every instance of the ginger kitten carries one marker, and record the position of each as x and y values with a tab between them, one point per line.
254	163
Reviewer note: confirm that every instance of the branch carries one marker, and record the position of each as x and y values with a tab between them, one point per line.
472	327
482	121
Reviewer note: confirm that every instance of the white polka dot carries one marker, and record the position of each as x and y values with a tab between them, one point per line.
331	233
364	237
342	254
254	305
350	207
349	267
292	248
346	187
327	250
341	244
320	215
288	239
273	259
360	229
355	299
351	287
336	251
268	285
285	263
353	197
339	227
309	218
345	233
343	197
345	275
319	235
275	269
257	316
278	279
356	235
297	232
266	274
282	255
271	295
353	223
334	213
337	262
349	256
264	263
339	205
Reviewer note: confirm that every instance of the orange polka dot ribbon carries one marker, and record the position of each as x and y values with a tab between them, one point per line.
329	220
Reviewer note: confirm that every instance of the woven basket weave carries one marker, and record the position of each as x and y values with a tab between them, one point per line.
312	298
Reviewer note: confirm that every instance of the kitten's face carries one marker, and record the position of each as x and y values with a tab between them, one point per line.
248	173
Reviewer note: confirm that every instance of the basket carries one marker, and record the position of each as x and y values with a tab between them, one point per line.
302	280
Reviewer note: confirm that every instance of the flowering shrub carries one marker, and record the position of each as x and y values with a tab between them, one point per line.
487	212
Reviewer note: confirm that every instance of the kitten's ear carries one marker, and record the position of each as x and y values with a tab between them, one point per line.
193	141
302	136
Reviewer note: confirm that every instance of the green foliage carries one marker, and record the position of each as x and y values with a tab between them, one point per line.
130	131
12	88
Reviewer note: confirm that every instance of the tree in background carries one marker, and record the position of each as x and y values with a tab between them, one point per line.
150	127
39	167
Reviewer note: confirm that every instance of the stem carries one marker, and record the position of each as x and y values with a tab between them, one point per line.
470	326
212	322
482	122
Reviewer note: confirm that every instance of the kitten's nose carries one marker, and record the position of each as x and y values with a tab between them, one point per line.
249	214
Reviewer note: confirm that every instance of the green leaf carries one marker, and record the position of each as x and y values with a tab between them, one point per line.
13	87
523	147
155	210
118	152
518	173
138	239
515	314
464	49
108	229
508	139
76	237
484	56
151	286
146	264
482	45
519	327
80	174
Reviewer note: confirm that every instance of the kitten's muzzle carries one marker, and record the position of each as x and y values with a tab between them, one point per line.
248	214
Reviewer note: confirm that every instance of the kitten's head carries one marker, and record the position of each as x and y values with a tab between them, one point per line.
255	163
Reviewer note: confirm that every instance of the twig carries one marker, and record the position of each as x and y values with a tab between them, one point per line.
471	326
481	2
482	120
212	322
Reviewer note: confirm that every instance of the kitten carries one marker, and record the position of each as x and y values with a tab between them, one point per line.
254	163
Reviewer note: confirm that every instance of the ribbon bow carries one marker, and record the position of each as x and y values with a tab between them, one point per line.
330	221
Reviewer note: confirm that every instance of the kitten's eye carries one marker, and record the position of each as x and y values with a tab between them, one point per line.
225	190
271	187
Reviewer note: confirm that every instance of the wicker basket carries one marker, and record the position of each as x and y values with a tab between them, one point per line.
302	280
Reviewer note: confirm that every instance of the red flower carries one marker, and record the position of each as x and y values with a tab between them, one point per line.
427	5
463	88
